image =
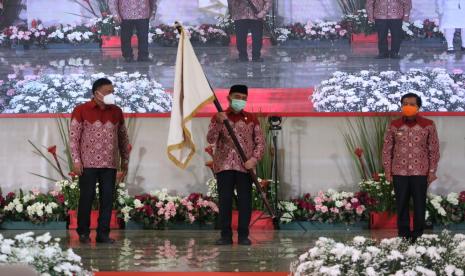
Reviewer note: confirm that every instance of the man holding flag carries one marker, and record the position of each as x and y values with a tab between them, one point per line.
235	156
227	164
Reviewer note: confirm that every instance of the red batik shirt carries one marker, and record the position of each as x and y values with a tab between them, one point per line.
411	148
250	136
388	9
240	9
98	136
133	9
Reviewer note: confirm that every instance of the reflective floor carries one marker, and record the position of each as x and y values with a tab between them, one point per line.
145	250
284	66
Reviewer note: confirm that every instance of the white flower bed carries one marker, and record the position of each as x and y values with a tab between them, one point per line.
431	255
43	254
56	93
369	91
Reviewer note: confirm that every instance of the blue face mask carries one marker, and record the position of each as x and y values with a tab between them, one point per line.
238	105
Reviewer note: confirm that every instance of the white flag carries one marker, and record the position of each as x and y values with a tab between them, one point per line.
191	93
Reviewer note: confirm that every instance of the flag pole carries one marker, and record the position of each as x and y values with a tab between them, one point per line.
238	146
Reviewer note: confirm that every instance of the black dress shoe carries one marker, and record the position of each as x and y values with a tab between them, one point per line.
258	60
144	59
105	240
224	241
84	239
394	56
451	50
244	241
382	56
128	59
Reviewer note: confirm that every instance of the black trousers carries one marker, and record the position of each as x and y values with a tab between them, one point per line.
243	27
383	26
227	181
406	187
142	29
87	183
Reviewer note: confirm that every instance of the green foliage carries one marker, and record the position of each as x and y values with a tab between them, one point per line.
366	133
351	6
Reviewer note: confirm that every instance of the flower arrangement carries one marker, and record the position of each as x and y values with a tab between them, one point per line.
318	30
197	208
134	92
445	210
167	35
225	23
421	29
206	34
17	35
105	25
71	34
209	34
378	194
326	207
369	91
42	253
442	254
157	209
257	202
33	206
358	23
70	191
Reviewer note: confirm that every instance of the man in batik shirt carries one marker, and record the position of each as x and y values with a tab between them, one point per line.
247	18
99	146
230	171
388	15
134	14
410	160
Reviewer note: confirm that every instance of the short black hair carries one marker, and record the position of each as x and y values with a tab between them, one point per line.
411	95
239	88
99	83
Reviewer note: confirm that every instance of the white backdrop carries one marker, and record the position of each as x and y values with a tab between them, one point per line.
204	11
313	156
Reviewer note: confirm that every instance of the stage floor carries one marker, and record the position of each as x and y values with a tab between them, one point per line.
282	84
144	250
284	67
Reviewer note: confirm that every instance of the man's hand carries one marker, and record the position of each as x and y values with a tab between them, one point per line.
118	19
124	170
77	168
250	164
221	117
389	178
261	15
431	178
371	20
406	18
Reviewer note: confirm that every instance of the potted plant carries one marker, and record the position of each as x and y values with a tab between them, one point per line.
33	210
327	210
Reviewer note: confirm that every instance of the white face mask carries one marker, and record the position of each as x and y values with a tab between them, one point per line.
109	99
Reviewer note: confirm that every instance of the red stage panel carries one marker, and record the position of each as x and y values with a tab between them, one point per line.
286	102
269	100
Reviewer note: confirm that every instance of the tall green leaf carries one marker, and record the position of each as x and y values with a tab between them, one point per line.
366	133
